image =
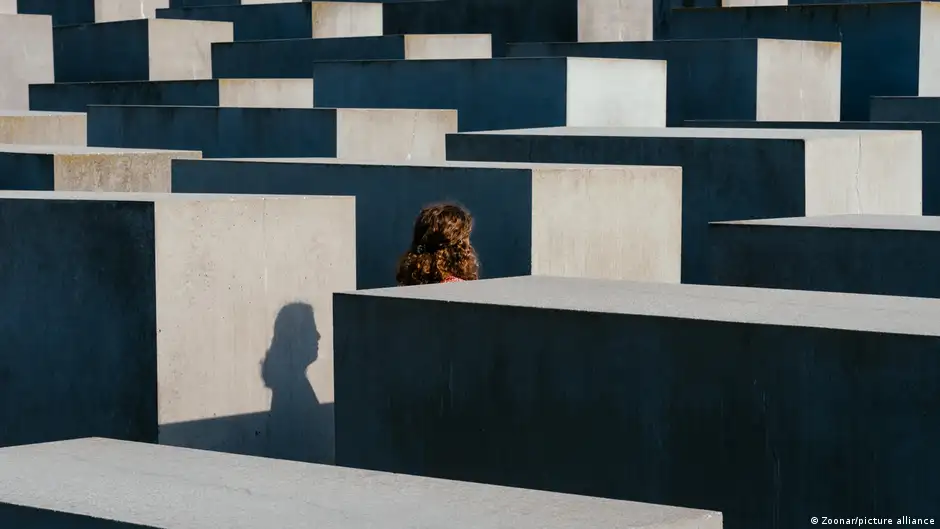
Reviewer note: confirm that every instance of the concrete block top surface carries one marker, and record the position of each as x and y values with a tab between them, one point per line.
76	150
690	132
150	197
422	163
788	308
165	487
863	222
35	113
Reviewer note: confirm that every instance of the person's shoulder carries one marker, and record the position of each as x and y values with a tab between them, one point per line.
452	279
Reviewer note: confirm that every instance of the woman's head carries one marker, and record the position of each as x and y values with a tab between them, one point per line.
440	247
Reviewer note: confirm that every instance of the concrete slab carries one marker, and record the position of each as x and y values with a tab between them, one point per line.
137	50
495	94
71	12
770	79
867	254
42	128
8	7
725	387
888	49
155	486
905	109
351	134
290	20
264	93
294	58
582	221
25	57
68	168
734	174
207	314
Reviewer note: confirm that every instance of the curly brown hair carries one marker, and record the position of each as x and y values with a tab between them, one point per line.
440	247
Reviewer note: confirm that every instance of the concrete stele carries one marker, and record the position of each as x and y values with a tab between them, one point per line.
615	20
42	128
26	57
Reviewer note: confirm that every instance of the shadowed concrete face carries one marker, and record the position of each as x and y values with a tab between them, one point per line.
26	57
91	11
42	128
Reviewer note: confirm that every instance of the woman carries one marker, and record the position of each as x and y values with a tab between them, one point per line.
440	249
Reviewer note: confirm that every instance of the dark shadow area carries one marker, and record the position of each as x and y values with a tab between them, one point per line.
297	427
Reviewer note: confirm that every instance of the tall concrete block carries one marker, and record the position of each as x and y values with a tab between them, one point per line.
888	49
351	134
59	484
208	314
264	93
905	109
495	94
7	7
868	254
290	20
569	220
42	128
770	79
686	395
68	168
137	50
25	57
734	174
294	58
70	12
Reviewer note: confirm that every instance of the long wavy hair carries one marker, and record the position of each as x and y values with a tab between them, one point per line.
440	247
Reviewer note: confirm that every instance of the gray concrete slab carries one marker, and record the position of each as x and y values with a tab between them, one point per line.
8	7
771	79
71	168
71	12
493	94
263	93
688	395
905	109
132	483
350	134
137	50
42	128
583	221
26	57
209	315
294	58
734	174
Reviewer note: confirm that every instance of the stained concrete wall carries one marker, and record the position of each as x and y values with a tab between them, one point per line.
75	97
734	174
868	254
905	109
26	57
68	168
688	395
504	93
71	12
350	134
42	128
792	80
294	58
583	221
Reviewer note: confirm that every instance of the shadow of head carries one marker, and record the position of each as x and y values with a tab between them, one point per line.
293	347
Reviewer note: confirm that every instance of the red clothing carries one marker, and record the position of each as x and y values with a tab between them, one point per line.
451	279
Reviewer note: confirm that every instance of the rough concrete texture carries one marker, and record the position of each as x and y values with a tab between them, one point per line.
726	388
69	12
209	313
25	57
42	128
154	486
615	20
734	174
137	50
291	20
294	58
583	221
905	109
273	93
68	168
868	254
770	79
495	94
351	134
888	49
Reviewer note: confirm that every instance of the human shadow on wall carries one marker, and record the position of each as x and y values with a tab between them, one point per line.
297	427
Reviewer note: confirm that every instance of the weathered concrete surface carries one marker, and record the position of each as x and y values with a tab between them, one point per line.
25	57
42	128
769	79
154	486
290	20
726	386
137	50
734	174
350	134
905	109
69	168
583	221
264	93
868	254
8	7
495	94
294	58
177	308
69	12
888	49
